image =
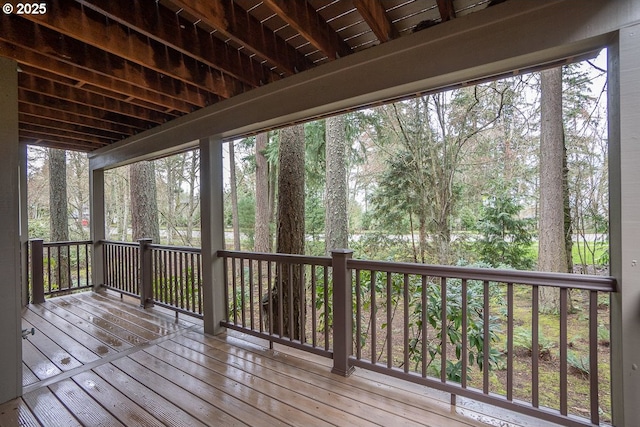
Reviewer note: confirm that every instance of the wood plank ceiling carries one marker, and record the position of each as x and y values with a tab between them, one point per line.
93	72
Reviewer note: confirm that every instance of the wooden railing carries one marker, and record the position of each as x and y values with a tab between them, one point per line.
168	276
457	329
59	268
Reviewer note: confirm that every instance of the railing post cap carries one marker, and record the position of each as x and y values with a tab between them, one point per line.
341	251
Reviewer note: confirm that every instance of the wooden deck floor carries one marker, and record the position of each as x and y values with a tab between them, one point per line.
98	361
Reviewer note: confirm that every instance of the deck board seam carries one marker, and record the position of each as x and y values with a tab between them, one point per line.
107	359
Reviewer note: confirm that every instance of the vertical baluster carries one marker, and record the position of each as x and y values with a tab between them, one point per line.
225	272
290	285
260	317
465	333
48	270
251	306
326	307
270	299
373	319
59	268
192	282
303	302
199	266
243	303
425	330
234	292
443	328
406	322
181	257
535	349
279	308
593	357
389	322
314	311
69	278
510	355
563	351
485	342
358	315
78	263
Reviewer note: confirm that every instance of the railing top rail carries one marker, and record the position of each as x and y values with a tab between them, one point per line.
113	242
65	243
278	257
176	248
540	278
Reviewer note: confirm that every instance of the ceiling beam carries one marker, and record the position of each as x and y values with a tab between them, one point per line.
51	142
376	17
155	21
447	11
306	21
83	129
64	135
34	98
39	111
82	96
93	28
21	34
237	24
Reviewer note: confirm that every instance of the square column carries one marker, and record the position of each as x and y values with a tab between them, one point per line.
212	234
624	237
97	225
10	285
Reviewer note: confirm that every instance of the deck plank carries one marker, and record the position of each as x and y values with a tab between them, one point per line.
41	367
51	350
49	410
16	413
185	408
104	337
79	350
251	407
28	377
85	409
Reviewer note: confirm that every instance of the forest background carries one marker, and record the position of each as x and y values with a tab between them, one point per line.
448	178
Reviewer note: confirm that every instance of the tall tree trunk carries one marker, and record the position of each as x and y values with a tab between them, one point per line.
290	231
144	205
234	198
263	215
552	252
59	222
336	225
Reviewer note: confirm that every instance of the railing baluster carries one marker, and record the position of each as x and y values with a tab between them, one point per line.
406	322
443	328
225	269
358	316
486	339
374	311
251	309
535	349
242	294
314	311
303	302
290	285
326	308
465	333
389	322
235	290
425	323
510	310
593	357
260	317
563	351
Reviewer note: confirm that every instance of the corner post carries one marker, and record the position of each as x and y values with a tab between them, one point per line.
37	271
146	285
97	223
342	312
24	225
212	224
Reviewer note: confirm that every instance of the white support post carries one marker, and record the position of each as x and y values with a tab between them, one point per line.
10	287
97	225
212	224
24	225
624	175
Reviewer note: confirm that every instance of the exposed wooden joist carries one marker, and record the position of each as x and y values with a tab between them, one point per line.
235	23
92	28
27	42
30	129
376	17
69	118
34	98
112	135
62	144
306	21
155	21
447	11
83	97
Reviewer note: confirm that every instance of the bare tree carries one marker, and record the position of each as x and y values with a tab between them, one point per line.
144	205
59	215
552	252
263	208
290	231
234	197
336	225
